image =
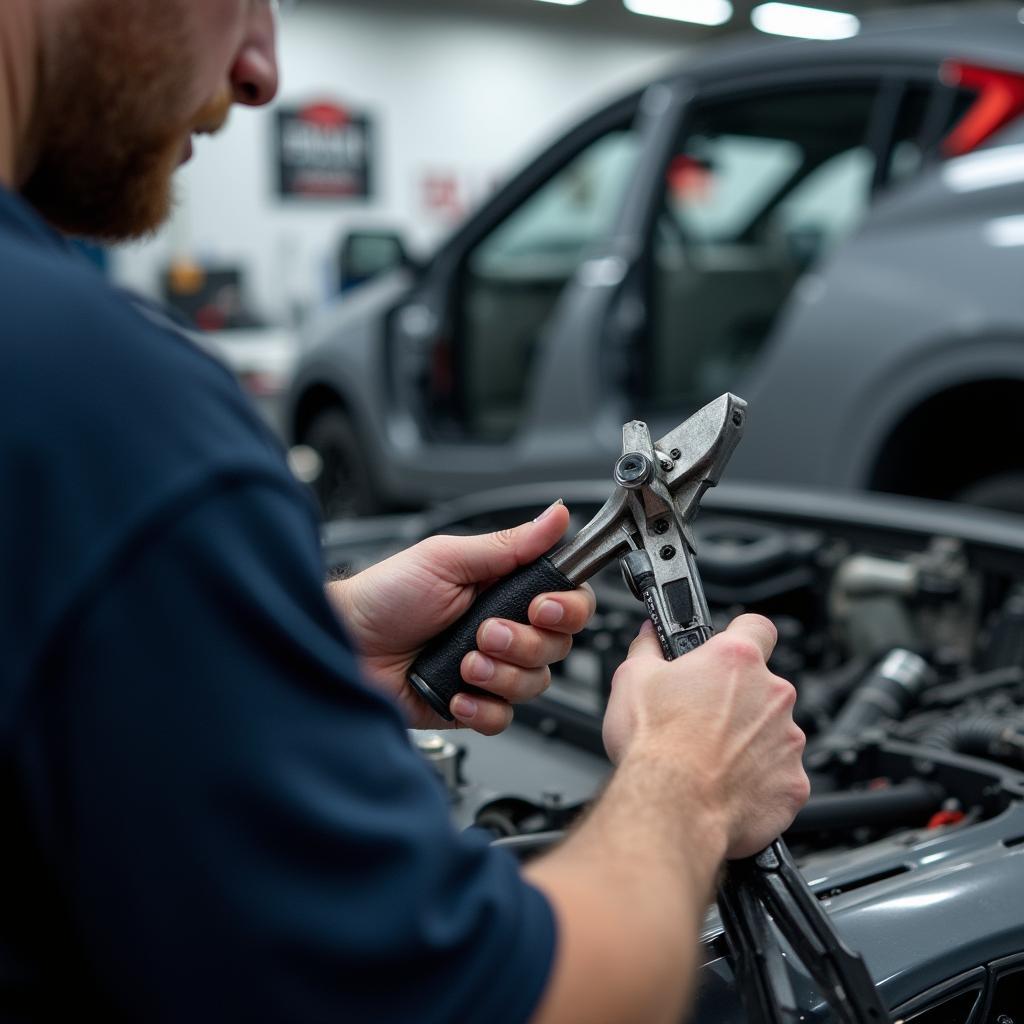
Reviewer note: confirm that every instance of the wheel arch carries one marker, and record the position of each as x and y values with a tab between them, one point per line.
312	400
952	438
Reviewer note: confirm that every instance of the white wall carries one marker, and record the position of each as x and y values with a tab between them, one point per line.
446	94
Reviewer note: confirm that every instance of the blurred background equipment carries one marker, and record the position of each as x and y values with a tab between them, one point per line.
209	298
365	254
212	300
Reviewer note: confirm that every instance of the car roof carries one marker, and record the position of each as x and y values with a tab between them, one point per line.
988	34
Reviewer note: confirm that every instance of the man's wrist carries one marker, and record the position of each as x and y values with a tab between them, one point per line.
691	808
630	888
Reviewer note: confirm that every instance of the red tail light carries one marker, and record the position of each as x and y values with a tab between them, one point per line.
1000	99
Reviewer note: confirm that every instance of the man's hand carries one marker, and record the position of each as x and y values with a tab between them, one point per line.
725	719
708	766
394	608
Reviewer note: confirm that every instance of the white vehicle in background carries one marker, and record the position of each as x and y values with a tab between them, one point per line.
263	359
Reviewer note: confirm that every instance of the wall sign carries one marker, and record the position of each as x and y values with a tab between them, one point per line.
323	152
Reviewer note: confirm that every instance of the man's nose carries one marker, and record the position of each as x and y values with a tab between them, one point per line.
254	76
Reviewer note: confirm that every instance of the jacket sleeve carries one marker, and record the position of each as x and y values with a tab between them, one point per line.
236	824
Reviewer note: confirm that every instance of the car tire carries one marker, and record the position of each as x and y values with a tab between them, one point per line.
1004	491
343	486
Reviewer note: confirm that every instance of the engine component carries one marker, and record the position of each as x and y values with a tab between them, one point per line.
886	694
744	562
821	694
444	757
1005	646
925	601
981	736
907	804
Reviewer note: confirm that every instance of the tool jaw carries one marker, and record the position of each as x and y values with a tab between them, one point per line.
699	450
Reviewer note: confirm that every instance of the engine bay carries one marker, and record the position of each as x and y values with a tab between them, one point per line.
901	624
909	640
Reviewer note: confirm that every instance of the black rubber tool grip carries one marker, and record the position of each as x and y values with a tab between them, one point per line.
435	675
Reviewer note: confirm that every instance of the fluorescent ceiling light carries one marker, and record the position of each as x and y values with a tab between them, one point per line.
699	12
804	22
564	3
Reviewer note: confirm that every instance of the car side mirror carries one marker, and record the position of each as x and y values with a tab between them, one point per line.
365	254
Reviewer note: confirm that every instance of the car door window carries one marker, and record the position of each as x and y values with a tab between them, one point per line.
826	206
514	276
957	1009
759	188
1007	995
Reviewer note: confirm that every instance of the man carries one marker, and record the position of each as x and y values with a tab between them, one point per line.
212	812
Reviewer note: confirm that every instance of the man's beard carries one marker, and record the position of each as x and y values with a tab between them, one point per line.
109	107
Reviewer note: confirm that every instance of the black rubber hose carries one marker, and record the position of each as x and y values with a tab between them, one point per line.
819	695
980	735
907	803
953	694
886	693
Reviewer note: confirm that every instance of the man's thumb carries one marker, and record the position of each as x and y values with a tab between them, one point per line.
497	554
646	644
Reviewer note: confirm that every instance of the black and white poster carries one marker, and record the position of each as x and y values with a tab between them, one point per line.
324	151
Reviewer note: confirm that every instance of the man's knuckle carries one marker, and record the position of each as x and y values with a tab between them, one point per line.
739	651
501	720
784	691
578	614
530	683
545	681
507	683
533	683
533	648
564	646
800	791
515	690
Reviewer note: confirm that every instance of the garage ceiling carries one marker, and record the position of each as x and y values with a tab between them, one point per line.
604	16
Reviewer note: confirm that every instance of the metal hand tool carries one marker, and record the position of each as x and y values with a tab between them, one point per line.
645	523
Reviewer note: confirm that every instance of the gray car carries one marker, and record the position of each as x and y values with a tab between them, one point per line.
833	230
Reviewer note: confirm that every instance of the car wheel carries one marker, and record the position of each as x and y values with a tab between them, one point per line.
343	486
1004	491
